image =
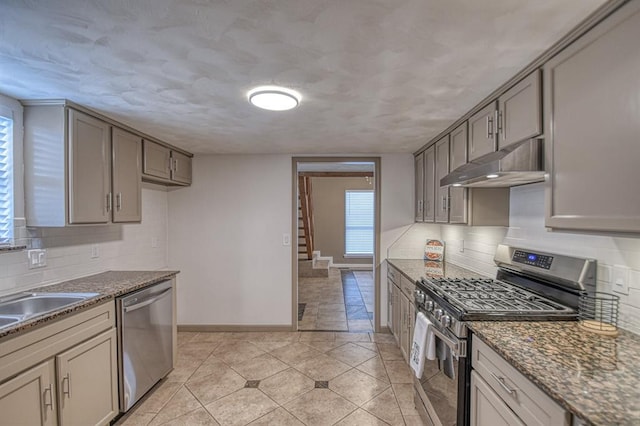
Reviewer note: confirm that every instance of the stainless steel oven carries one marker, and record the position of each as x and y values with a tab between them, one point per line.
441	394
530	285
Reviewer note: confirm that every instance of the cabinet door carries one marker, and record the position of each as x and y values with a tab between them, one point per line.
89	169
482	132
156	160
390	305
404	330
442	168
487	409
429	205
88	381
520	111
397	314
458	196
181	167
30	398
127	176
593	123
419	187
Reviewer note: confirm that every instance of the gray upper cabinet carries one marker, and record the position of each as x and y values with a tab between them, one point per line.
127	176
520	111
441	170
181	167
593	123
419	187
157	160
458	196
429	208
161	164
482	132
89	169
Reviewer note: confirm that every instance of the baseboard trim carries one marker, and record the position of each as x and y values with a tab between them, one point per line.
233	327
364	266
385	329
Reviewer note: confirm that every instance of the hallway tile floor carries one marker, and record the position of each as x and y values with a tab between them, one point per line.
284	378
343	301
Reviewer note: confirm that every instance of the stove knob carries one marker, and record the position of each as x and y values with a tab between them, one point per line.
445	320
419	297
438	314
428	305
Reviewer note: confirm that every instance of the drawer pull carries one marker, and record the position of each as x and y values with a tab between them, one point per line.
507	389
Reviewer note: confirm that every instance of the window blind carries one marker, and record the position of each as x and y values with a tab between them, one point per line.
6	180
358	222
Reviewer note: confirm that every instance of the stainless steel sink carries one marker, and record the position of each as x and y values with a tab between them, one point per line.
23	306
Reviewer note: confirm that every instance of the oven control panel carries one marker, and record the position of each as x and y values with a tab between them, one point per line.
532	259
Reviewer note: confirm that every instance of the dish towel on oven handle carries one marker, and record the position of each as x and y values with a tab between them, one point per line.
423	345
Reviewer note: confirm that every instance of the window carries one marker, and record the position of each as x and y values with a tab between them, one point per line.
358	209
6	180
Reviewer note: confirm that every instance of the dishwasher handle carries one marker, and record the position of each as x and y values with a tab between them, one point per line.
147	302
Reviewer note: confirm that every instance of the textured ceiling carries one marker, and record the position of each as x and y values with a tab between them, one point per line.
376	75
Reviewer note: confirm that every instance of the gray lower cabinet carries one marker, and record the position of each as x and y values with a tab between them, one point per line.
441	170
487	409
593	123
127	176
419	170
482	132
520	111
163	165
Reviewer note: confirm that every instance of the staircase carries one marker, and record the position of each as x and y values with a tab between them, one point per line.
315	268
305	219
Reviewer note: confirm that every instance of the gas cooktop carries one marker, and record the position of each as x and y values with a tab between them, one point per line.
479	295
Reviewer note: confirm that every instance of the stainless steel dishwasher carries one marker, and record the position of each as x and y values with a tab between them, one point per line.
145	340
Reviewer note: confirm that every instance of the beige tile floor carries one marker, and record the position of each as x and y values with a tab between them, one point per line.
325	306
287	378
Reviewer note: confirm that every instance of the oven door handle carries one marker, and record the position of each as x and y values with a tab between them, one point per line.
458	347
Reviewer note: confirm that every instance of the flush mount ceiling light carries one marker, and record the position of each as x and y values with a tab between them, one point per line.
274	98
492	176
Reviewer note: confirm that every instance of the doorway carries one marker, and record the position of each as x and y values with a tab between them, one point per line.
335	243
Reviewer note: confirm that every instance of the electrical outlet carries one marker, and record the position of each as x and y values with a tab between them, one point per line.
37	258
461	246
620	280
95	251
154	242
286	239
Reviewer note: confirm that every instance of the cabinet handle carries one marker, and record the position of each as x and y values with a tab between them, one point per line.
504	385
109	202
119	201
444	204
66	379
489	127
501	123
175	165
46	392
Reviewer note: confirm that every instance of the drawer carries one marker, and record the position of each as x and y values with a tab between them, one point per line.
408	287
393	274
526	400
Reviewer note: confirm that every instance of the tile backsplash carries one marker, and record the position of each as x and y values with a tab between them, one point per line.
71	251
474	247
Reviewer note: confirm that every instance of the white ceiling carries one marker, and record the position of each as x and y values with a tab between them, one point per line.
376	75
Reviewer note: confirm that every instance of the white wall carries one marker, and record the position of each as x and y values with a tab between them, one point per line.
225	234
120	247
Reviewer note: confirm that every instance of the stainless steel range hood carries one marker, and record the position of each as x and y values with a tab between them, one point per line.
518	164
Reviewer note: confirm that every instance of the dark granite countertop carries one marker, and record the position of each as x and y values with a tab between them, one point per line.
595	377
414	269
107	285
